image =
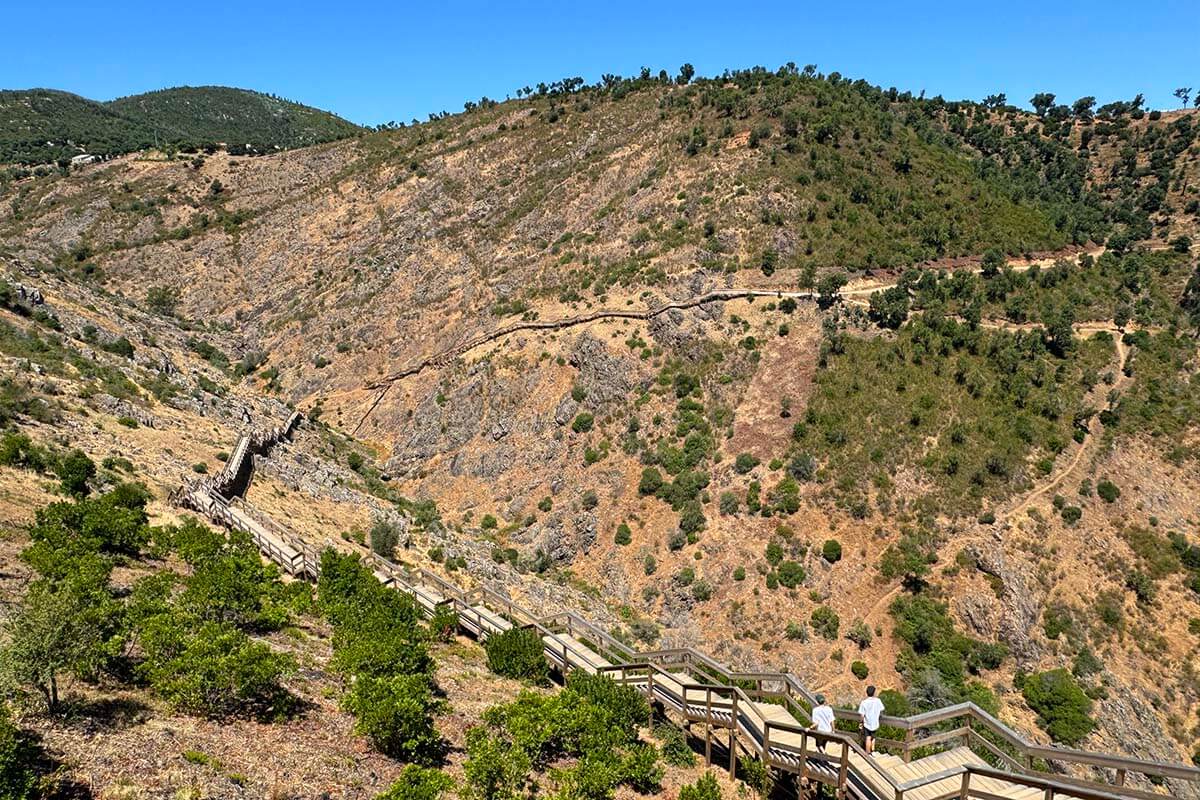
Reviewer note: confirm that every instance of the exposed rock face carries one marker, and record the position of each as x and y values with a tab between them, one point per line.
604	376
1021	606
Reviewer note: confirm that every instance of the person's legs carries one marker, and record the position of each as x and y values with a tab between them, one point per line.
870	741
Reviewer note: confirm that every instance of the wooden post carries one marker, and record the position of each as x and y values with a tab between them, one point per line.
908	742
1120	777
766	753
845	762
966	786
708	745
733	724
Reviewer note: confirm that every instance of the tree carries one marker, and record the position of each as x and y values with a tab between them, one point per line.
1082	108
61	629
1041	102
829	287
74	470
889	307
993	263
1063	708
1183	93
385	535
396	714
685	74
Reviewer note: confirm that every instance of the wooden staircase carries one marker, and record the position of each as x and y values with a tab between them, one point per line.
760	714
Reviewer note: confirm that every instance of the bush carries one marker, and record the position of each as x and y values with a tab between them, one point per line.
583	422
728	503
624	535
396	713
17	755
860	634
706	788
74	470
701	590
1063	708
545	504
384	536
517	653
824	621
651	482
744	463
215	670
494	770
790	574
831	551
674	746
859	670
625	706
1108	491
1072	514
418	783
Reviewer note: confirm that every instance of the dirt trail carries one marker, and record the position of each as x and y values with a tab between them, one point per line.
848	294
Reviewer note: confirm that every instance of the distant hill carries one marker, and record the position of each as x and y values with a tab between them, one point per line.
39	126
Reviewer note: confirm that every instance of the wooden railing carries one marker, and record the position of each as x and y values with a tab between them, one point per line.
721	698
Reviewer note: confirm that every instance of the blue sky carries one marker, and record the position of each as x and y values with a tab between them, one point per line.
374	62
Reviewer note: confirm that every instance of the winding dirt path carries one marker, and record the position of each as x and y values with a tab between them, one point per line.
851	294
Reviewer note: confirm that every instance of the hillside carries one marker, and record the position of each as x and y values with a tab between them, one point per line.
41	126
818	376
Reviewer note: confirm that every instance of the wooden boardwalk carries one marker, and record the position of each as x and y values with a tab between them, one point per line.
964	752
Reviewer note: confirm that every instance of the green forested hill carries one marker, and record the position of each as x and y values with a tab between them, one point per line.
39	126
233	116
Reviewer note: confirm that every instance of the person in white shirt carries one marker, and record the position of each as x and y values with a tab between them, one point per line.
822	719
870	709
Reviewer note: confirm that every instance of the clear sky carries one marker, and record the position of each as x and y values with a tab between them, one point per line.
374	62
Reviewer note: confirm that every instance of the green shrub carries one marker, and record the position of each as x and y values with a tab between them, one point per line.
489	522
624	535
790	573
214	670
701	590
824	621
859	670
1063	708
74	471
744	463
418	783
1072	514
831	551
396	714
739	573
545	504
384	536
494	770
583	422
728	503
674	746
705	788
517	653
651	481
625	706
18	778
1108	491
860	634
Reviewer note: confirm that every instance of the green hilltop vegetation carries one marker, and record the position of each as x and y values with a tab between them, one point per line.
40	126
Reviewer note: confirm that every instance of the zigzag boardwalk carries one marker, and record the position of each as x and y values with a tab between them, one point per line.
760	715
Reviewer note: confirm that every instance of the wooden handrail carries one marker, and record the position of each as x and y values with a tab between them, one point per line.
715	678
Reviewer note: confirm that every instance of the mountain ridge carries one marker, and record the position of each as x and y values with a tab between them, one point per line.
41	126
